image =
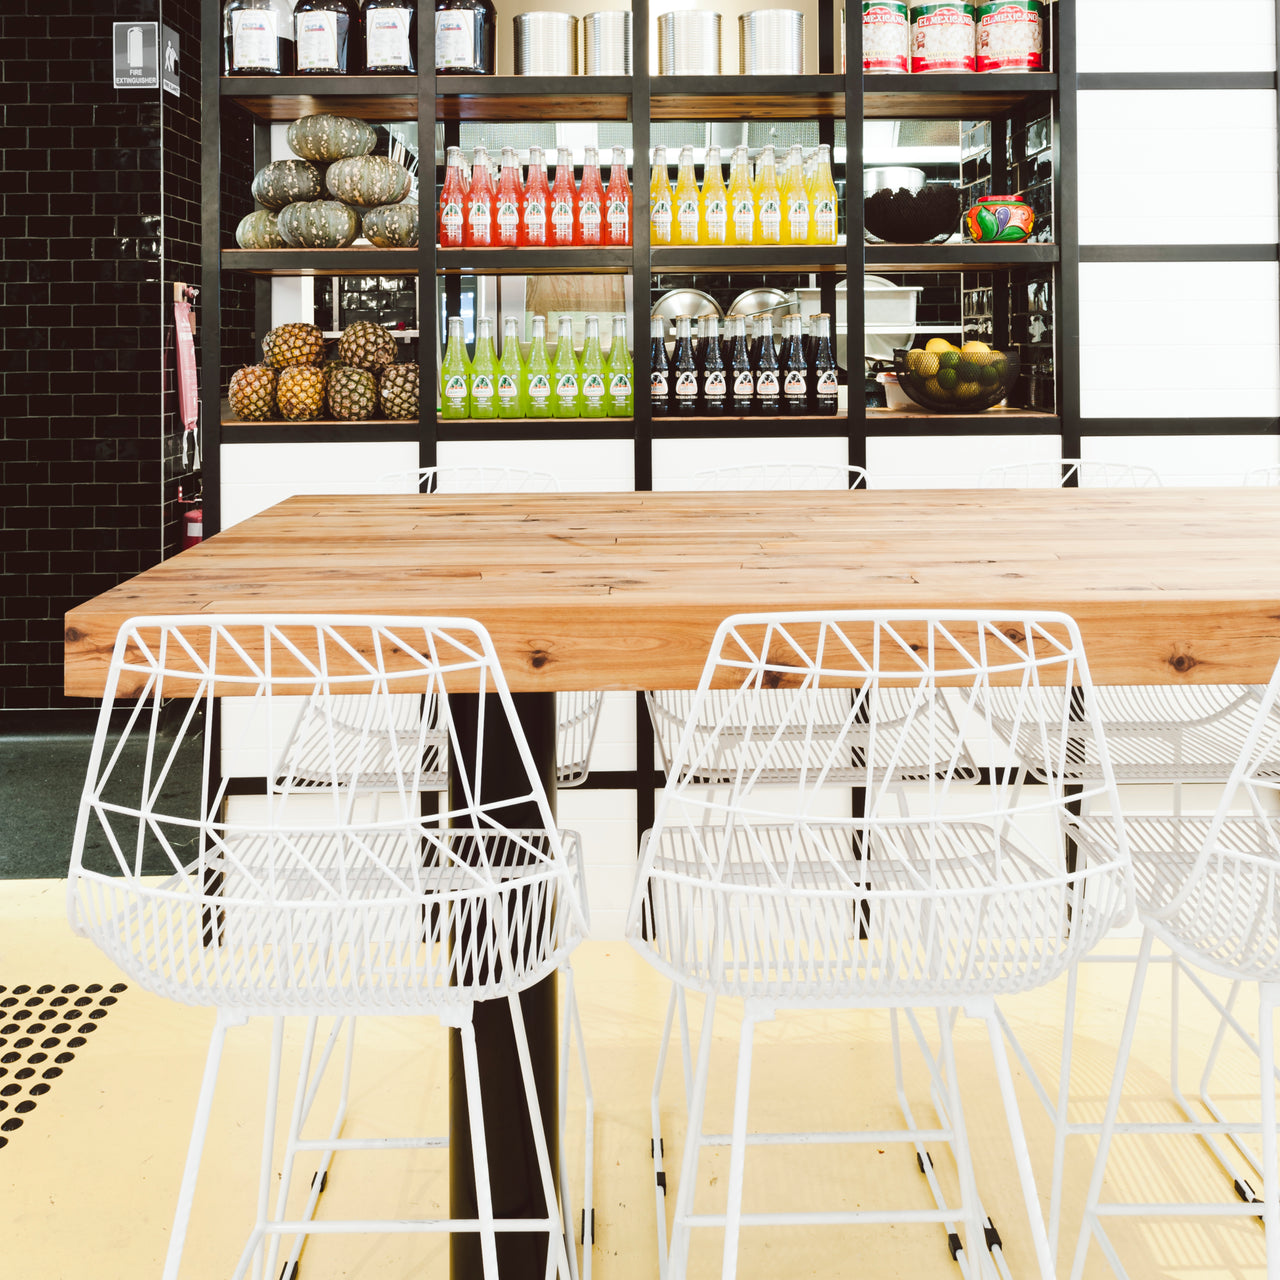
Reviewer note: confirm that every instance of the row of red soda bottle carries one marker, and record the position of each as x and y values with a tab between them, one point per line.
477	213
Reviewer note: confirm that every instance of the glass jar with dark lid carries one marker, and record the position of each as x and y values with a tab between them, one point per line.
466	34
257	38
390	36
327	36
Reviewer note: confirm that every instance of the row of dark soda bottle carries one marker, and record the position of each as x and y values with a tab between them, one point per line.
734	376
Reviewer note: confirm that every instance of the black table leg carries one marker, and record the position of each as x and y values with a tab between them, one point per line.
513	1165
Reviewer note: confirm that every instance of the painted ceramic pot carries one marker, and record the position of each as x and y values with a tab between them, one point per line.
1003	219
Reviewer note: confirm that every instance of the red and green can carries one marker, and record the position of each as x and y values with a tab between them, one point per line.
1010	35
886	36
942	35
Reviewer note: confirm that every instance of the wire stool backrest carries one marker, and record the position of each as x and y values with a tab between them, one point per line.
782	475
769	677
1056	474
299	899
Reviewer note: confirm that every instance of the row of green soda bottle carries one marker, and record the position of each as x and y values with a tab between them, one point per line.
593	385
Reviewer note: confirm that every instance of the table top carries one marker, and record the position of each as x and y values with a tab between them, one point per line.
625	590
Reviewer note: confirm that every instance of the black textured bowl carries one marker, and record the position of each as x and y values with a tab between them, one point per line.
904	217
956	381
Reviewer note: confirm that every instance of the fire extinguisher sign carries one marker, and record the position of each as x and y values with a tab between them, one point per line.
135	55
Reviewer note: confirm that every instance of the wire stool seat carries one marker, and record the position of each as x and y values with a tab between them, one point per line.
317	903
746	890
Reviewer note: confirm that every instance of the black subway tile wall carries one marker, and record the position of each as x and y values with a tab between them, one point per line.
99	209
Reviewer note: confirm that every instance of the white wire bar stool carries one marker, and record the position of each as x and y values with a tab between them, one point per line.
319	905
1055	473
1167	735
744	891
1208	888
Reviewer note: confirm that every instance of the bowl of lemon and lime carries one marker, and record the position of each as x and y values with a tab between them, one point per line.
950	379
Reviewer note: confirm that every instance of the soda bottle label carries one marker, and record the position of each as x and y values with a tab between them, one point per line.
828	383
742	384
535	218
540	388
766	383
716	387
455	389
770	216
793	385
658	385
562	218
744	216
824	215
662	218
686	384
687	216
508	217
480	219
717	219
589	213
619	215
798	217
567	386
593	388
482	387
508	389
620	387
451	219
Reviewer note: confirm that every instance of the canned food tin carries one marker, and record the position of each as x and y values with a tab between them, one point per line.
942	35
606	43
1010	35
886	36
771	42
689	43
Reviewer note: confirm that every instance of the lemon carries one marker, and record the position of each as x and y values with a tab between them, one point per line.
938	344
928	366
934	389
974	345
913	360
968	391
947	379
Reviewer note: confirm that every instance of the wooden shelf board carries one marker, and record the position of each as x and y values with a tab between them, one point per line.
533	98
957	257
746	97
951	96
669	259
355	260
282	98
527	262
1001	417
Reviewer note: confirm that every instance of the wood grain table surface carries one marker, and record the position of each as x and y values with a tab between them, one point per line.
624	590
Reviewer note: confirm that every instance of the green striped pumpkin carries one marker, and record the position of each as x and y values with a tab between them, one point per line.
283	181
325	137
392	226
318	224
259	230
368	181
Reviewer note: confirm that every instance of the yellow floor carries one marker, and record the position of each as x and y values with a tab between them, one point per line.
87	1183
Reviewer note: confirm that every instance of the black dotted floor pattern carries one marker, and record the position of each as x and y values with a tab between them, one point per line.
41	1031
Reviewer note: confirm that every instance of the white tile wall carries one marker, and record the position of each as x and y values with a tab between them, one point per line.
949	462
1195	461
1180	339
257	476
1166	167
1176	35
606	821
583	466
677	462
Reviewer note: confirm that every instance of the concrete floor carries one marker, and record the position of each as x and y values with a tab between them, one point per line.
88	1180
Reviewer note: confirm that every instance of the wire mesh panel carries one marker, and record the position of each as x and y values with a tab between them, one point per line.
306	901
1210	886
745	889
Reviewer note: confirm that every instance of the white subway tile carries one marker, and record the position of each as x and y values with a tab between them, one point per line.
677	462
583	466
950	462
1198	461
1176	35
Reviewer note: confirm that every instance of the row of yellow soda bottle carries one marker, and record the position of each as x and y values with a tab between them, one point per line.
797	206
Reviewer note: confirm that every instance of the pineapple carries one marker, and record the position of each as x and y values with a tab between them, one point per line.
366	345
288	344
398	391
253	393
300	392
353	394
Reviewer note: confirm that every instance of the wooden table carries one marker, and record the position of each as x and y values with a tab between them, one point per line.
624	591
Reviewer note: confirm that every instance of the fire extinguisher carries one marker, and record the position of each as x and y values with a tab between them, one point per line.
192	522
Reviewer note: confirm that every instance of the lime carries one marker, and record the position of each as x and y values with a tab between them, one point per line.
990	376
947	379
948	359
968	371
